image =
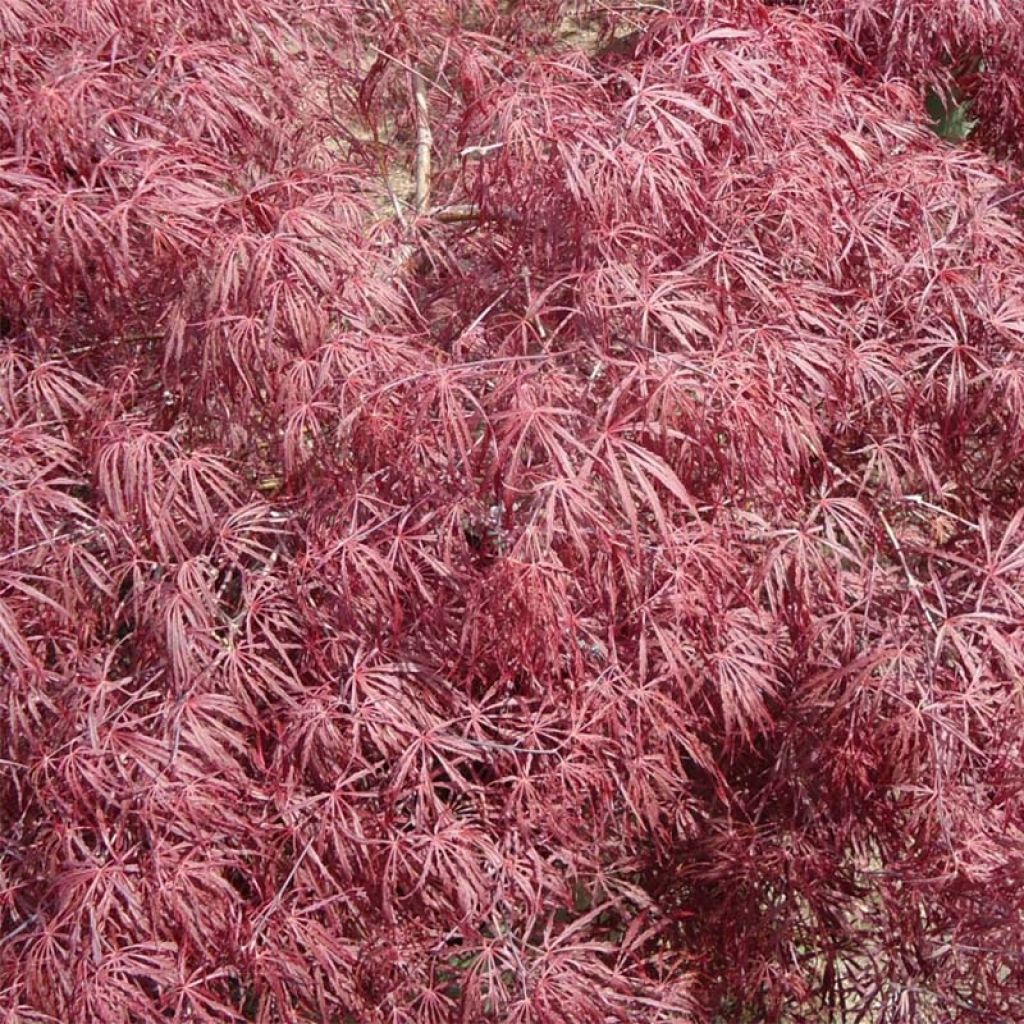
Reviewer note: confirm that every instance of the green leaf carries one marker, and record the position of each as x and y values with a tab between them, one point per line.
950	120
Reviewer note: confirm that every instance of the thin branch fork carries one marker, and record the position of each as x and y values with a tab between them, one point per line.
915	584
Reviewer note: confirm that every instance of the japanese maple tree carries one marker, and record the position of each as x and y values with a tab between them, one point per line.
511	512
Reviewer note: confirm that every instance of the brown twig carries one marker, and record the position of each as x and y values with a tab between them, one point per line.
424	140
455	214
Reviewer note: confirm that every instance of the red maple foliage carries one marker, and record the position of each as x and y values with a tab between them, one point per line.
510	512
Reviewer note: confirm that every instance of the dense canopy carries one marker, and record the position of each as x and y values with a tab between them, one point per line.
511	512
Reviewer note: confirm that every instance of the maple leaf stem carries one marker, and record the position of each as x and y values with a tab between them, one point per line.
261	921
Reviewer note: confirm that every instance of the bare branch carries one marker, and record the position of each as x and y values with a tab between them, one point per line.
424	140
